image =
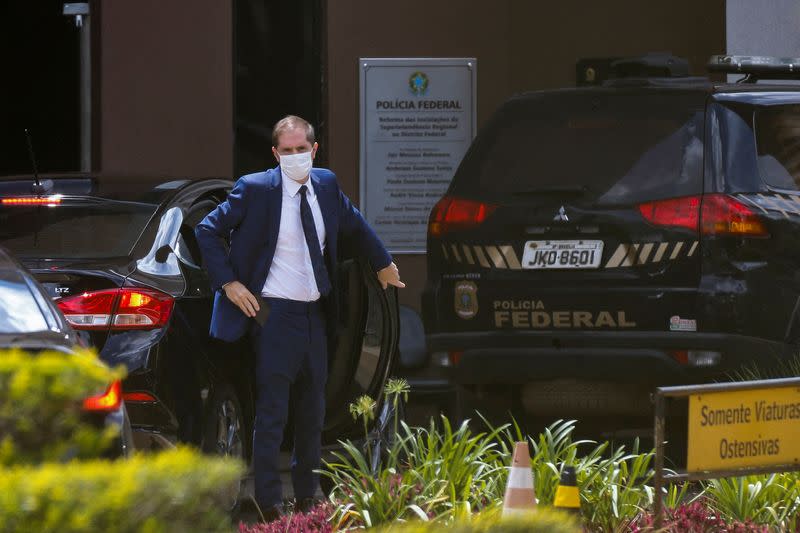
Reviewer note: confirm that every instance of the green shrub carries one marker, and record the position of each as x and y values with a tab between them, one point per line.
41	400
769	499
429	473
543	520
613	483
440	473
175	491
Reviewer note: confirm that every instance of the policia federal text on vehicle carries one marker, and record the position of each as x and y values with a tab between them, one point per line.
598	241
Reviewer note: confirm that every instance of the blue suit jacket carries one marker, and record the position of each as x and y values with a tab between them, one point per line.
250	218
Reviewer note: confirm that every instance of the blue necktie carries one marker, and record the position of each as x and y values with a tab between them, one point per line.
312	241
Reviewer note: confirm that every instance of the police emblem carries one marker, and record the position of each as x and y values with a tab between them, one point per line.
466	299
418	83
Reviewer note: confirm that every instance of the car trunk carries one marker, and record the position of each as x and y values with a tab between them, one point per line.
74	246
64	280
590	205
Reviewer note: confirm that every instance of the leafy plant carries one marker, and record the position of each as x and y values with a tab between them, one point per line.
446	474
317	520
174	491
615	489
429	473
473	464
782	368
694	517
677	495
363	499
763	499
395	390
364	407
542	521
41	414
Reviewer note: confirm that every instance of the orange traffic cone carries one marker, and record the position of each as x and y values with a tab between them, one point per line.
520	497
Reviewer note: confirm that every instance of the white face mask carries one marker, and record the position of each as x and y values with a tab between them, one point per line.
296	166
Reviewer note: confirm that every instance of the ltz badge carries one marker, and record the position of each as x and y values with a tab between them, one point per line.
466	299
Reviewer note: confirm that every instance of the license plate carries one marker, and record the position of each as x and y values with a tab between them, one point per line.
541	255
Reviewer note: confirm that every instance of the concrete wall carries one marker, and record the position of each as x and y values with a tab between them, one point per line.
763	27
166	88
520	45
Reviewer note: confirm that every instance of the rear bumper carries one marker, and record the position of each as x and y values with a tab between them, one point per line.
624	357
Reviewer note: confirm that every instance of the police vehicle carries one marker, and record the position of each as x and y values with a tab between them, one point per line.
598	241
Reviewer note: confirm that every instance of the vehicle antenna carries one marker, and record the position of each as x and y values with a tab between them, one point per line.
37	185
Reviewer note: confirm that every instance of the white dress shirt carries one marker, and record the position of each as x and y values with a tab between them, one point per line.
291	275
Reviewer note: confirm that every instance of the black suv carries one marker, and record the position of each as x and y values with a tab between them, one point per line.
598	241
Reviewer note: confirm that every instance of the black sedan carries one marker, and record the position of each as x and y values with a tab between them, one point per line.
119	257
30	321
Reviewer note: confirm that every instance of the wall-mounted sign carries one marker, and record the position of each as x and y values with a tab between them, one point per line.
746	428
417	121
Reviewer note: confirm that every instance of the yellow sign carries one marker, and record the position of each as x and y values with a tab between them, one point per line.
729	430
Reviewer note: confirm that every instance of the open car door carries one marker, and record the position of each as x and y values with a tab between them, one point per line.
369	329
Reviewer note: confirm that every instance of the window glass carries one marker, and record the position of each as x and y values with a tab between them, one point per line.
45	305
778	145
617	149
19	312
188	250
93	229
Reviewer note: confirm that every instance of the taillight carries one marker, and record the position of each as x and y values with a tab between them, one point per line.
455	357
724	215
142	309
711	214
90	310
451	213
138	396
675	212
125	308
108	401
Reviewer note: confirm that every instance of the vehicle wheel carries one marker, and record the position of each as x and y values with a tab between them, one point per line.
224	430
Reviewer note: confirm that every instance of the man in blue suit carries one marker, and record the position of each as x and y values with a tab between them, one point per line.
279	280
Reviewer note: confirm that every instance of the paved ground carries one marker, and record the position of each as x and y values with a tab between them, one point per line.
248	512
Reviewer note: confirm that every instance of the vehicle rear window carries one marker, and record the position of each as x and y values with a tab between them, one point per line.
617	147
19	312
777	130
74	229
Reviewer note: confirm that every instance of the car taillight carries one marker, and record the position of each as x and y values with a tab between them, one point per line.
110	400
711	214
724	215
139	396
125	308
675	212
451	213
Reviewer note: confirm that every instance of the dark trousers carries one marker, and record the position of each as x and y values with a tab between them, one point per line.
291	353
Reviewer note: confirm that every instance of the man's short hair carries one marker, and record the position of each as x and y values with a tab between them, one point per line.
290	122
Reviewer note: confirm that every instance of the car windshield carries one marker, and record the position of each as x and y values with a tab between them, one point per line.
777	130
76	228
19	312
608	149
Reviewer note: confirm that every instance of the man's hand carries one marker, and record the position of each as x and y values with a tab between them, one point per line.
390	276
244	299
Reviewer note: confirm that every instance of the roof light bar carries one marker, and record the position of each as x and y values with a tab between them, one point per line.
32	200
763	67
